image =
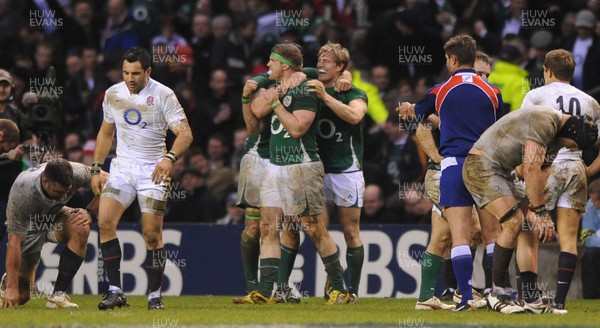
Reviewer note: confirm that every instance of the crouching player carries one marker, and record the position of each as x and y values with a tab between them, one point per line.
37	214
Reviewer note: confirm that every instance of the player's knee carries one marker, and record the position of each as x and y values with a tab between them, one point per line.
252	229
440	246
152	238
475	238
315	232
106	225
267	231
80	232
351	234
513	224
290	236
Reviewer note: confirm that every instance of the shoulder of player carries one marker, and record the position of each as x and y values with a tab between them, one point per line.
156	87
544	89
24	180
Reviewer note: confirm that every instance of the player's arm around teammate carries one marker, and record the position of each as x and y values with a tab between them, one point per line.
352	113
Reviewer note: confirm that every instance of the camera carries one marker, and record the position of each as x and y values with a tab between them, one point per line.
44	107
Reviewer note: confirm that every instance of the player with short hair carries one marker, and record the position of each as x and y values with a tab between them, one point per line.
482	65
140	110
293	186
438	249
9	137
566	187
528	136
467	106
340	145
36	214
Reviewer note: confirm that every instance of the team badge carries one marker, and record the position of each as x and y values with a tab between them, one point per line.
287	100
150	101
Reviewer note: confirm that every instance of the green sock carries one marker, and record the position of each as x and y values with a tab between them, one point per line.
430	270
268	274
250	254
334	271
286	265
354	257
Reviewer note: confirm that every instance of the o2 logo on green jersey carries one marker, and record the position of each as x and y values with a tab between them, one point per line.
330	128
279	128
133	116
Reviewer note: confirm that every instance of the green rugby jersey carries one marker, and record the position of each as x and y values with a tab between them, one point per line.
340	143
259	144
285	150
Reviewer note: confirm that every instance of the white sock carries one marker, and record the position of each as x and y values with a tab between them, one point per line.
154	294
112	288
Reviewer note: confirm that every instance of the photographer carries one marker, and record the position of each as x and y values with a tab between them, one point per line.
10	166
10	154
8	110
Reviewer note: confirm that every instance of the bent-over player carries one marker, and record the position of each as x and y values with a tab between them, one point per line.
37	214
522	137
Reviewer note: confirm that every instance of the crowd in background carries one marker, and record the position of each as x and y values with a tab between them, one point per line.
205	51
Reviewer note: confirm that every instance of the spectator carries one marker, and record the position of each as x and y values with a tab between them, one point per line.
202	43
422	86
42	60
221	26
236	9
168	36
590	237
191	201
118	34
232	51
374	209
416	207
95	82
72	140
380	77
514	18
74	154
510	78
541	42
73	90
235	215
239	143
9	28
7	108
585	46
405	44
83	13
218	181
402	158
217	151
220	105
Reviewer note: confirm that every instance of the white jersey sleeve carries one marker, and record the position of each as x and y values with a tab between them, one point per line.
108	113
528	101
172	111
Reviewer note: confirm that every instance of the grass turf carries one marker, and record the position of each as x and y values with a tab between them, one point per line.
219	310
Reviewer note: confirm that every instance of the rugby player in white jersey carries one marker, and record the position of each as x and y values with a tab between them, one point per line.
566	187
140	110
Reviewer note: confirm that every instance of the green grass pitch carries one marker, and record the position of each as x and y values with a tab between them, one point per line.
184	311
